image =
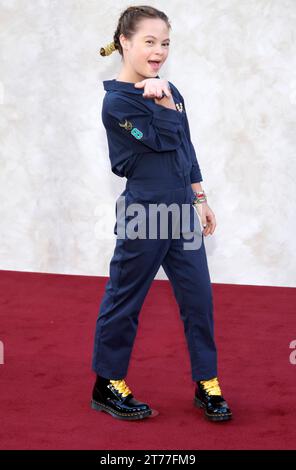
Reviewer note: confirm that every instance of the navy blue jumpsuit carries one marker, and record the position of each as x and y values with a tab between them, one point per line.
150	145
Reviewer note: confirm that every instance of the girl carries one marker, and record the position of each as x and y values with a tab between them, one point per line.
149	143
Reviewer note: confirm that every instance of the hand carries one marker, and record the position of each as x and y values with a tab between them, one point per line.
207	217
154	87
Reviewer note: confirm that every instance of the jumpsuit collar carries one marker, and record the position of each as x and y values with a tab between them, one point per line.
116	85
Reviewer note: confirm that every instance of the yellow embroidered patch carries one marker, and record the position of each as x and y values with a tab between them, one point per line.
127	125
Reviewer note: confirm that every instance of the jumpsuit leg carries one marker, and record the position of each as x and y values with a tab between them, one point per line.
132	269
188	273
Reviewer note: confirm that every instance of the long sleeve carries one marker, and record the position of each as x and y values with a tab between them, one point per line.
195	174
141	129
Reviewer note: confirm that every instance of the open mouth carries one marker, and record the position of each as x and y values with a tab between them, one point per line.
155	64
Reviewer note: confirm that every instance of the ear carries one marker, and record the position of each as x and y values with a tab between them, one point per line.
122	40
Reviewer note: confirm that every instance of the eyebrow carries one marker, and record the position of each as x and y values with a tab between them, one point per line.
150	36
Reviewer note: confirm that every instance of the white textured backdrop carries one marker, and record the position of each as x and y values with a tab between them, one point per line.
234	62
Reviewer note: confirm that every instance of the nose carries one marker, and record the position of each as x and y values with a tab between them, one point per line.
159	51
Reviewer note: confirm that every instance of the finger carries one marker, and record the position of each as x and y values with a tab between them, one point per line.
203	221
213	227
206	226
153	92
147	93
167	92
206	231
212	224
140	84
161	92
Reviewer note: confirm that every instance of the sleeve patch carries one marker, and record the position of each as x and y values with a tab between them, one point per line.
127	125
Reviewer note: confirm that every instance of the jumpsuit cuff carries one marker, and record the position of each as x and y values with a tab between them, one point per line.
195	174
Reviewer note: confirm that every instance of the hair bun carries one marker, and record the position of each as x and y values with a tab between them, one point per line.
107	50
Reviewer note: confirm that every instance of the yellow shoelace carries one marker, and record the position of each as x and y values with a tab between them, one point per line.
211	386
121	386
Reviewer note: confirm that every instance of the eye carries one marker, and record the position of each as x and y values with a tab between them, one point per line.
165	44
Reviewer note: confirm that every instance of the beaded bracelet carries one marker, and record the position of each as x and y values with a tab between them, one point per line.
200	197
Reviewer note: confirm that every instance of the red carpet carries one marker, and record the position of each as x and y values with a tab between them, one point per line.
47	327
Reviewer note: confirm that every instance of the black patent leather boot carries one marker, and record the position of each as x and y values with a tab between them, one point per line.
208	396
116	398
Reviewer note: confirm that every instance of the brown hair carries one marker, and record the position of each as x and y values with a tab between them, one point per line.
127	25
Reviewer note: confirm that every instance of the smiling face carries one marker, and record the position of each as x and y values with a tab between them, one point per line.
146	51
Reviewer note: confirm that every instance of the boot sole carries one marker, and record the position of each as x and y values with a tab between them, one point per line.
223	417
116	414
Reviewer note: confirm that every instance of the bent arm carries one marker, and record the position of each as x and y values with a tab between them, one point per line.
160	130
